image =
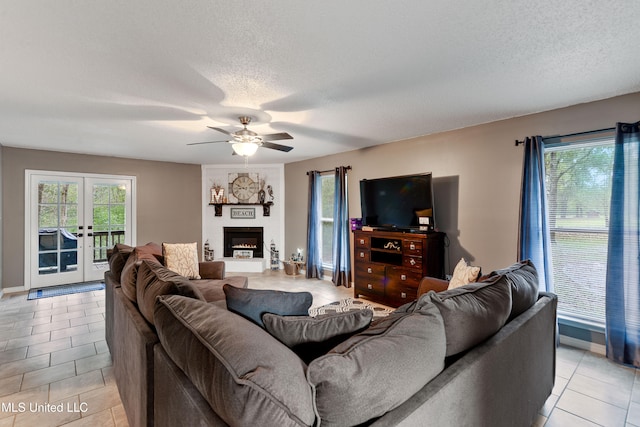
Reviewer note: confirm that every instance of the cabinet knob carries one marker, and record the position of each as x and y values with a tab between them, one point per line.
361	254
412	261
403	277
412	246
369	286
403	294
362	241
369	270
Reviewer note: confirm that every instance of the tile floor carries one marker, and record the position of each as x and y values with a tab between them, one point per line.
53	353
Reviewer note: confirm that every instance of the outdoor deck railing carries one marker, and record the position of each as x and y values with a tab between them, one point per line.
103	241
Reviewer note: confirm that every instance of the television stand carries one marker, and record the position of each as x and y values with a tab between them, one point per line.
389	265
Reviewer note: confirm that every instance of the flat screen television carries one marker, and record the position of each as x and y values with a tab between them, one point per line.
399	202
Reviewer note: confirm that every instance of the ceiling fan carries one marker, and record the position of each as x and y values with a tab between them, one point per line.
245	142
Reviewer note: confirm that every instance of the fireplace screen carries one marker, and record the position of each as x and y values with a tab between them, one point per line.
243	242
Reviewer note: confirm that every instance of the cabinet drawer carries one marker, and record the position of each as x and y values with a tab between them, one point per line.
370	279
372	284
413	262
367	269
399	294
362	255
362	242
404	277
412	247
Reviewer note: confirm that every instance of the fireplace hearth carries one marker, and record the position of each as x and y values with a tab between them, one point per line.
243	242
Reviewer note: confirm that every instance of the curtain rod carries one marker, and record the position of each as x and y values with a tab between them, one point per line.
331	170
569	135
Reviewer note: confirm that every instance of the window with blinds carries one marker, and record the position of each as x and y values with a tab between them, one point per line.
578	181
328	196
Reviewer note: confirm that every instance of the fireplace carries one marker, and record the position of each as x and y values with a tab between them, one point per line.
243	242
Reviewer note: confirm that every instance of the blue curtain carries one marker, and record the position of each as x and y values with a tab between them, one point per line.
314	227
341	232
623	279
534	237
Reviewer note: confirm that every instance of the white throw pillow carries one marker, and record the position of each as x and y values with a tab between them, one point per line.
182	258
463	274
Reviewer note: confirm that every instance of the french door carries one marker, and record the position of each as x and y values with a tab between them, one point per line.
72	220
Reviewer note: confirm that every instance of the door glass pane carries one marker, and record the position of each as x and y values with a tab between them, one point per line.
108	219
57	227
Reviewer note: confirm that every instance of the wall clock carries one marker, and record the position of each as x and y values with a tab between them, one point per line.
243	187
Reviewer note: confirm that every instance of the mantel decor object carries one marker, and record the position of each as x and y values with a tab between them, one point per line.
243	213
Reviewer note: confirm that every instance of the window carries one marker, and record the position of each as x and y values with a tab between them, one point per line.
578	181
328	197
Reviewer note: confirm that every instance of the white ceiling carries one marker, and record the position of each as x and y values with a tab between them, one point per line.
144	78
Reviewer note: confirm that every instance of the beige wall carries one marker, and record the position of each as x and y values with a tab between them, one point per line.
477	176
168	198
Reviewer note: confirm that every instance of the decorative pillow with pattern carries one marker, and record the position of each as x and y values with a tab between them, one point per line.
463	274
182	258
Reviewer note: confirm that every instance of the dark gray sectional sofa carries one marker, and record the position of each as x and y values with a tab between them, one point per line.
479	355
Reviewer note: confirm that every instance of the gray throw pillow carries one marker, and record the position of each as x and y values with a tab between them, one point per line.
400	353
311	337
154	280
245	374
253	303
471	313
523	278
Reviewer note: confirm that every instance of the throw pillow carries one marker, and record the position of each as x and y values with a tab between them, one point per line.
311	337
401	353
118	258
523	278
253	303
463	273
151	252
471	313
245	374
182	258
154	280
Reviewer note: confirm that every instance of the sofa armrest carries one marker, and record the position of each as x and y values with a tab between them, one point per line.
432	284
211	269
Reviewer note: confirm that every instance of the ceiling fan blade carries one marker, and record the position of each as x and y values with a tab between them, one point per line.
206	142
276	136
220	130
278	147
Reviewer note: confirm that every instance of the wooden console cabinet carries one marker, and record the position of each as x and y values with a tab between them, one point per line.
389	265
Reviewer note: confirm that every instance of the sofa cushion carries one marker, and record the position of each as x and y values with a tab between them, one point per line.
472	312
311	337
523	278
246	375
463	273
182	258
253	303
401	352
118	258
154	280
151	252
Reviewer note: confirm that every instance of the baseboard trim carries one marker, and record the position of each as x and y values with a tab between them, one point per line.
13	290
583	345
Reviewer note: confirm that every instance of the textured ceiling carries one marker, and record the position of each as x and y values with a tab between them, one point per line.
144	78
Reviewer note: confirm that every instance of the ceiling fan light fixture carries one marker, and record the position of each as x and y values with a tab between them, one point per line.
245	149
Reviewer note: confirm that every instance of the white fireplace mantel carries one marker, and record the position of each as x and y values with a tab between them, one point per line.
273	224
